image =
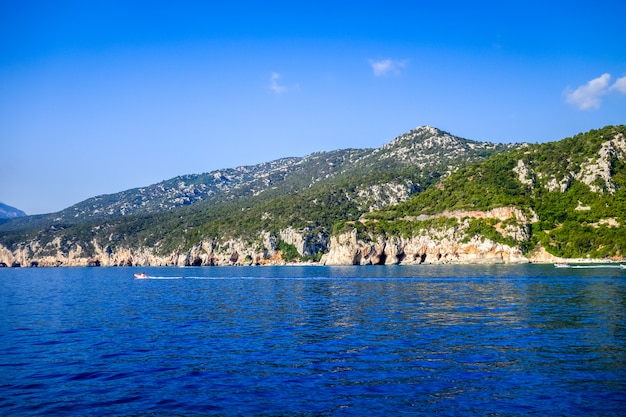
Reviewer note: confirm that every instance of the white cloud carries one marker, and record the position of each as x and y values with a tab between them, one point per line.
387	66
275	86
619	85
588	96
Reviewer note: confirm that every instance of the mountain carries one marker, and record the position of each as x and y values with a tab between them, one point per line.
424	148
425	197
8	212
564	199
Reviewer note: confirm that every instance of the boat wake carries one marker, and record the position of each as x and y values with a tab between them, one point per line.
161	277
191	277
597	266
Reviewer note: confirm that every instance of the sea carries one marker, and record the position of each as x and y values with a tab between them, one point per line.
450	340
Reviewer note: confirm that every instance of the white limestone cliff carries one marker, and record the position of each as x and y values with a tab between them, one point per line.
346	249
206	253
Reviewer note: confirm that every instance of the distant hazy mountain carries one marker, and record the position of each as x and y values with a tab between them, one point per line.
8	212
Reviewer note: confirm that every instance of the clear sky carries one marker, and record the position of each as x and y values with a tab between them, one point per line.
98	97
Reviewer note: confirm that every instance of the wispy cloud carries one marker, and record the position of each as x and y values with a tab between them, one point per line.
387	66
620	85
589	96
275	85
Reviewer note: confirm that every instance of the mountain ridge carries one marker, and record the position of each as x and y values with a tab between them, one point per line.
231	184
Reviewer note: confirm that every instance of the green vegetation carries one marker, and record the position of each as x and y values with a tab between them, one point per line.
402	227
564	229
288	251
481	186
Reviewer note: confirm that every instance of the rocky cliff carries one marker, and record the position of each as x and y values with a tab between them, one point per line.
348	250
345	249
430	246
434	245
262	251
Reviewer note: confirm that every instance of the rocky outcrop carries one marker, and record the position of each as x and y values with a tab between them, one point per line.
375	197
308	242
437	245
523	173
205	253
598	170
430	248
595	171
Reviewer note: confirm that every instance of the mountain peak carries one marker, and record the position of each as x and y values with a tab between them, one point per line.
427	145
425	136
427	129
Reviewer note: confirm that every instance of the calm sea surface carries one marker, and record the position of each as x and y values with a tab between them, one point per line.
313	341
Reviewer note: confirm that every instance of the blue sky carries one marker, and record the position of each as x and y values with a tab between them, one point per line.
98	97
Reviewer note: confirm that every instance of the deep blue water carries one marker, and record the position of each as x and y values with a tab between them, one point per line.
313	341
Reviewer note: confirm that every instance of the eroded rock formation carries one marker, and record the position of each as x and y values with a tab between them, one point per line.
430	248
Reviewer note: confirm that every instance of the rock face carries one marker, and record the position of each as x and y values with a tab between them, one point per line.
437	246
205	253
433	247
594	171
599	168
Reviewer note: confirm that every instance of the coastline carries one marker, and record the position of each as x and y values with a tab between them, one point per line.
572	262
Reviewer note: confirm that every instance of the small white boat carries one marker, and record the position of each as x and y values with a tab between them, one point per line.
141	275
562	265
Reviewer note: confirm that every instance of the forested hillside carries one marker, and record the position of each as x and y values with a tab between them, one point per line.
575	189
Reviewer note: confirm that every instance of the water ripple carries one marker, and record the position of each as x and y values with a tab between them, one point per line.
313	342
